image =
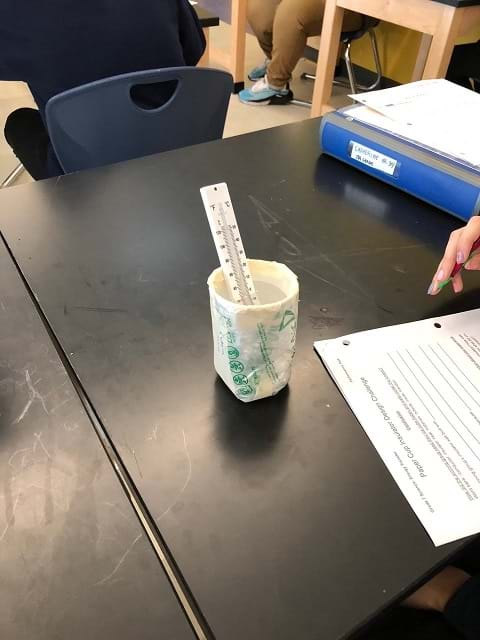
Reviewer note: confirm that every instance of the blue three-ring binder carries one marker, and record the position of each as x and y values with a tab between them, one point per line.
429	175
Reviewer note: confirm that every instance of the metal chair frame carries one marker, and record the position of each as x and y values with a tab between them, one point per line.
352	82
13	176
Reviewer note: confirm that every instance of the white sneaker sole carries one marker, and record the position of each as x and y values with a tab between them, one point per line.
256	103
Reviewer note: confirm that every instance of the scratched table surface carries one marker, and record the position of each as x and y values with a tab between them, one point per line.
280	514
74	563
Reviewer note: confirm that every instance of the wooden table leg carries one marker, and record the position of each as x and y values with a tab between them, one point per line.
327	57
422	55
239	35
205	59
443	42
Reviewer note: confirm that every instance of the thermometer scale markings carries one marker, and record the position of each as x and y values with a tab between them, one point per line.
224	227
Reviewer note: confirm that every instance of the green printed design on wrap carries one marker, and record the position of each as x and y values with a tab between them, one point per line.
254	345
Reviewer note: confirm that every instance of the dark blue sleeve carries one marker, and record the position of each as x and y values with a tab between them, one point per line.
463	610
191	34
16	24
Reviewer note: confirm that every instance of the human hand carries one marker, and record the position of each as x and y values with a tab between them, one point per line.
457	251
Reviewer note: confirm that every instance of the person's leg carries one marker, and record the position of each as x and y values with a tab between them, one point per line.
463	609
295	21
435	594
260	16
28	137
456	594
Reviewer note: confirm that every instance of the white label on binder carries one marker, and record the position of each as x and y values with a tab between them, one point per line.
372	158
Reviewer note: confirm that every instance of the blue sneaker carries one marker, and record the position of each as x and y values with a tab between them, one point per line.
259	72
261	94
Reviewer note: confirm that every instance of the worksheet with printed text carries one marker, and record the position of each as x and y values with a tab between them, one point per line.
415	389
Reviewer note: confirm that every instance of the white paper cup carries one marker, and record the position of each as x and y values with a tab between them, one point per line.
254	345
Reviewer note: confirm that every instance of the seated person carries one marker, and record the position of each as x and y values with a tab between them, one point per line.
60	44
282	28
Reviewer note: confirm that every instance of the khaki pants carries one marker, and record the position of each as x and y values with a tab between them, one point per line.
282	28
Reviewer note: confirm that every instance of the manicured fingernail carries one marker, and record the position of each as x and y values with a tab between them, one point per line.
430	290
440	275
460	257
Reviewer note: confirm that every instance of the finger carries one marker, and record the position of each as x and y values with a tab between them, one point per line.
457	283
469	234
447	263
450	256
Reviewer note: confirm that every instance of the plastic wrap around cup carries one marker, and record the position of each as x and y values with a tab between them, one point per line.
254	345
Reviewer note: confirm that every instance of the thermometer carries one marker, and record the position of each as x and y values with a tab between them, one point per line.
228	242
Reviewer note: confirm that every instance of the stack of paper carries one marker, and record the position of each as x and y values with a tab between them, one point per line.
415	388
436	114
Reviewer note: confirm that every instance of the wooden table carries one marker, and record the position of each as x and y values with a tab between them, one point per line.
207	20
234	61
441	21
